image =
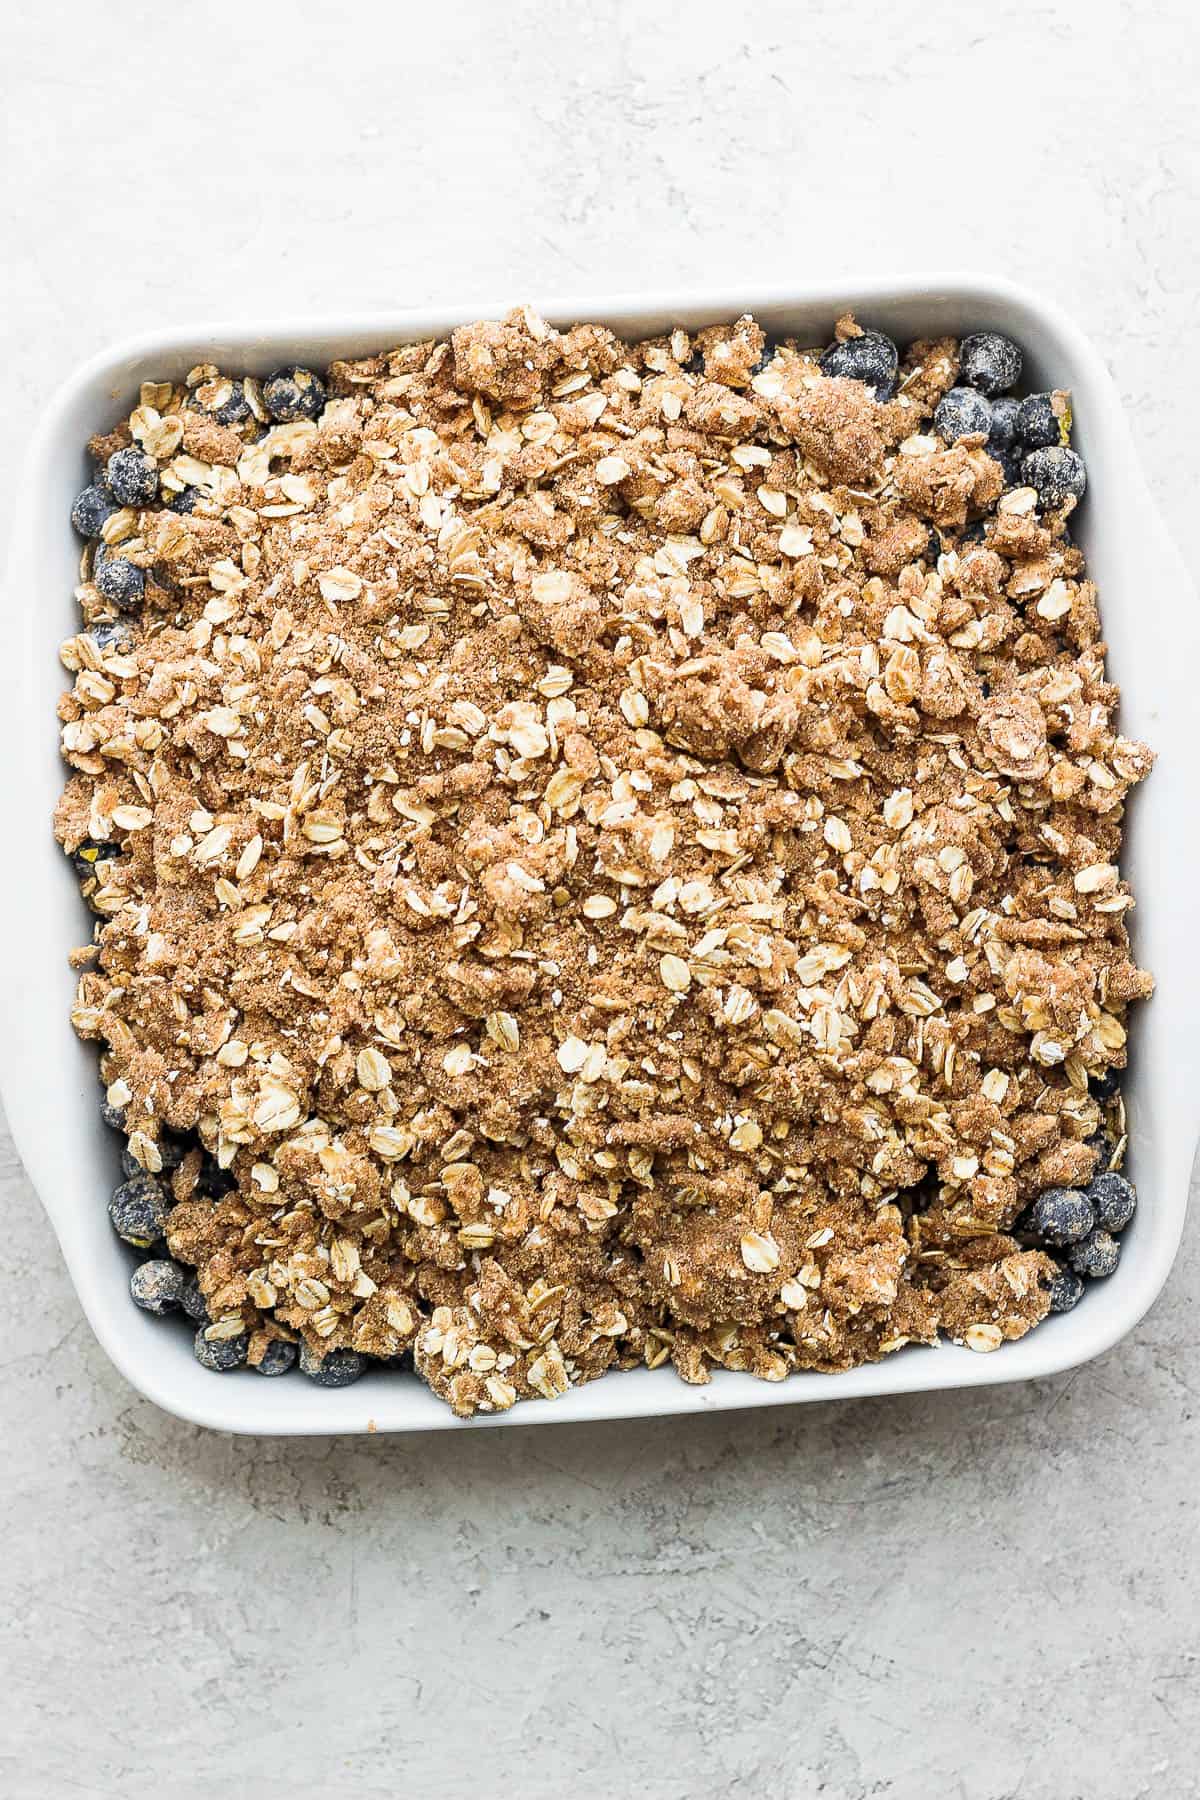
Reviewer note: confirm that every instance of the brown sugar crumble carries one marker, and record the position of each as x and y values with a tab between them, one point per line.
611	847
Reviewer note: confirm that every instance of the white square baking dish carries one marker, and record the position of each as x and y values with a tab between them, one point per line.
49	1078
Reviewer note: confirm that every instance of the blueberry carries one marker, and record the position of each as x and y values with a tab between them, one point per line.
193	1302
1004	420
138	1211
213	1182
1096	1256
293	393
962	413
870	358
132	477
278	1357
1062	1215
120	582
220	1354
171	1149
1002	439
1108	1085
989	362
1104	1147
1009	458
337	1368
223	399
184	501
1038	425
157	1287
173	1146
87	858
91	509
1066	1290
1057	473
113	1116
1114	1200
110	634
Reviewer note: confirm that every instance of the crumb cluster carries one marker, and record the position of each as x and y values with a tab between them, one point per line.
613	847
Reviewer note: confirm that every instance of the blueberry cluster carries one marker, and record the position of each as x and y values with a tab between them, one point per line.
1083	1225
130	476
1029	438
160	1285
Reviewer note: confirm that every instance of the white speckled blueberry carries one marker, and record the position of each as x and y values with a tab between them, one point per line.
138	1211
337	1368
1057	474
1062	1215
220	1354
157	1286
132	477
989	362
293	393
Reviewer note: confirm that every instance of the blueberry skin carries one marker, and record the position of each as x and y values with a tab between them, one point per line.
193	1302
872	359
91	509
1062	1215
1106	1086
173	1146
111	634
86	859
88	863
229	411
1114	1200
1038	425
1057	473
157	1286
989	362
278	1357
132	477
1002	440
120	582
962	413
1066	1290
337	1368
184	501
113	1116
1105	1149
1009	458
293	393
138	1211
1004	420
213	1182
171	1149
220	1354
1096	1256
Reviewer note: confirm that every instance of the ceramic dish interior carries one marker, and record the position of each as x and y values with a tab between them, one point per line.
49	1079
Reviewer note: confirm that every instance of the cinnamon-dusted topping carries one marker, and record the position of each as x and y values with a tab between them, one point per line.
609	862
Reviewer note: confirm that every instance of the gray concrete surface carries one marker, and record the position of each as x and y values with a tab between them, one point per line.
944	1598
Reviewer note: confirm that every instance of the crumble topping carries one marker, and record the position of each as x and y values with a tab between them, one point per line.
609	853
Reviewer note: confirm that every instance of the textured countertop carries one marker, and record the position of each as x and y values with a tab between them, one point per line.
984	1596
